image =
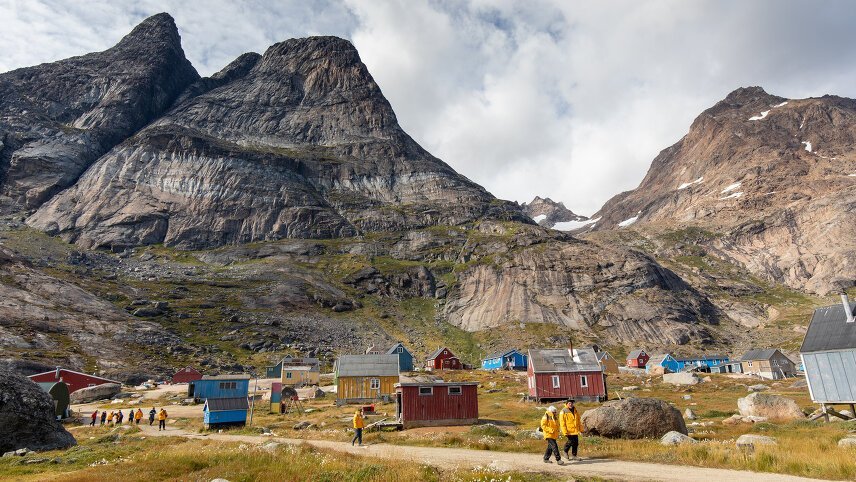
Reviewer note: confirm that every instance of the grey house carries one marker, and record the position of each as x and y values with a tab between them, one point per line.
828	353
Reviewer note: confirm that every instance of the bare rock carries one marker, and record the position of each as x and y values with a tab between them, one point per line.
689	414
633	418
848	442
752	441
27	417
681	378
773	407
757	388
676	438
98	392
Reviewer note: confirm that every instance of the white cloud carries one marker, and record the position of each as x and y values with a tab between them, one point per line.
566	99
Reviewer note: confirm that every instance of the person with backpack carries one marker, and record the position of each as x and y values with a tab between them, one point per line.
162	415
119	417
103	416
571	426
550	427
152	414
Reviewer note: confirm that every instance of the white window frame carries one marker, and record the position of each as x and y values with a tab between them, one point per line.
583	381
750	364
401	349
423	393
287	375
458	390
374	384
555	381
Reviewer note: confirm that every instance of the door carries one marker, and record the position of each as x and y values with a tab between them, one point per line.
398	407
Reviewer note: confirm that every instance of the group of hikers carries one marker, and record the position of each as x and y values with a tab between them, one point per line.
117	417
568	423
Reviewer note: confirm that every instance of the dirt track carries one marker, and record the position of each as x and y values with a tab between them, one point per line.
501	461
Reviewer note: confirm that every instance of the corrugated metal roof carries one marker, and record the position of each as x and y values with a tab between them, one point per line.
635	353
367	365
436	384
561	360
500	354
829	330
658	358
702	357
758	354
223	404
226	377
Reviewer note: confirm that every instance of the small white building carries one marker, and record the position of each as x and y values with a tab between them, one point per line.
828	353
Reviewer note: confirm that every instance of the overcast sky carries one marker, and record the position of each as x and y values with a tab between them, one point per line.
565	99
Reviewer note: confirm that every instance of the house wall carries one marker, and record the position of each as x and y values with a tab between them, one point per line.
185	376
767	368
75	381
438	363
405	359
831	376
570	386
203	389
609	365
225	416
274	371
638	362
359	388
492	363
299	377
439	408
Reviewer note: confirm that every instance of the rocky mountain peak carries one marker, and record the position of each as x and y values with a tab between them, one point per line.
159	29
548	213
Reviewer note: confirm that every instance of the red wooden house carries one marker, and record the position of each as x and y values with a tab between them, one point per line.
436	403
443	359
637	359
186	375
74	380
566	373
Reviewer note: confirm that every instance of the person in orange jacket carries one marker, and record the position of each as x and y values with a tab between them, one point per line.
138	416
571	425
359	424
162	415
550	427
110	417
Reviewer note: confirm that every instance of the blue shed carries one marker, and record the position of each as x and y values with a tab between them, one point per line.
225	411
511	359
664	360
220	386
405	358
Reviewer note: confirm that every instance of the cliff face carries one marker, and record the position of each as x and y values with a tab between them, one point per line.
551	214
296	143
772	177
56	119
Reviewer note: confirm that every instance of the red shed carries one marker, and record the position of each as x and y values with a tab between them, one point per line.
186	375
637	359
566	373
433	404
74	380
443	359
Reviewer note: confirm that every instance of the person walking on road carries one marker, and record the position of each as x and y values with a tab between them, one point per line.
111	417
162	419
550	427
119	417
359	424
569	422
152	414
103	416
94	418
138	416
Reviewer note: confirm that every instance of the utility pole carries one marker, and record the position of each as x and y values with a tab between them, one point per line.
253	402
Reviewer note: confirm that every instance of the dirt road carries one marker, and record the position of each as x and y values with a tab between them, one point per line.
454	458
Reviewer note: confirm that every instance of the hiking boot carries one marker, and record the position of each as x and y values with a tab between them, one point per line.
560	462
548	461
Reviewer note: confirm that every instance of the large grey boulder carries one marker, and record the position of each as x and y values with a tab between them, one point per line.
634	418
773	407
27	417
848	442
681	378
676	438
751	441
98	392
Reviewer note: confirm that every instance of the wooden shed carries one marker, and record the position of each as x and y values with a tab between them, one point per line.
560	374
771	364
434	404
186	375
74	380
828	353
219	412
443	359
364	378
220	386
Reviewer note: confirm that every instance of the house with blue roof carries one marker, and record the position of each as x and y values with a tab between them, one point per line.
510	359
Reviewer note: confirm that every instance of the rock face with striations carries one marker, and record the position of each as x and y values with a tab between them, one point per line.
549	213
57	118
773	177
296	143
27	417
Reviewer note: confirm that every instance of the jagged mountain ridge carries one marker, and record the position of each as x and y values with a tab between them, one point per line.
548	213
310	117
771	177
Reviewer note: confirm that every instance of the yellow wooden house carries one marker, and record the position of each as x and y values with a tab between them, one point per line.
365	378
300	375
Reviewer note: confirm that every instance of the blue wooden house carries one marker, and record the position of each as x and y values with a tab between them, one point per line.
511	359
220	386
225	411
405	358
663	361
705	362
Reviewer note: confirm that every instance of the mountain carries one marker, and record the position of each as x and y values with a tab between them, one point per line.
56	119
549	213
770	179
296	143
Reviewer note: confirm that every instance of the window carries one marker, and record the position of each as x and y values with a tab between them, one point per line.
374	384
401	349
287	374
426	390
445	352
750	364
583	381
454	390
555	381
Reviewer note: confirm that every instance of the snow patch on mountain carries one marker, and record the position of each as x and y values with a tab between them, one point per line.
688	184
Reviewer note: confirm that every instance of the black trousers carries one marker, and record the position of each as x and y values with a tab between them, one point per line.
552	448
573	443
161	424
358	436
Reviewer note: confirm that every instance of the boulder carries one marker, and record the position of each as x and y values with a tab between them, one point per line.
676	438
633	418
318	393
689	414
682	378
301	425
27	417
630	388
848	442
757	388
98	392
773	407
749	440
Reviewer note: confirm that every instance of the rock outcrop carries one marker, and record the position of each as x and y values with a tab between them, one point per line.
99	392
772	177
772	407
27	418
57	118
549	213
634	418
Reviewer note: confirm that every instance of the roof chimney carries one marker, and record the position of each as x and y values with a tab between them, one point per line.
56	376
847	310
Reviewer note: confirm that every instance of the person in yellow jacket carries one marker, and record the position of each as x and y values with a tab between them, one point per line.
138	416
550	427
162	420
110	417
571	425
359	424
